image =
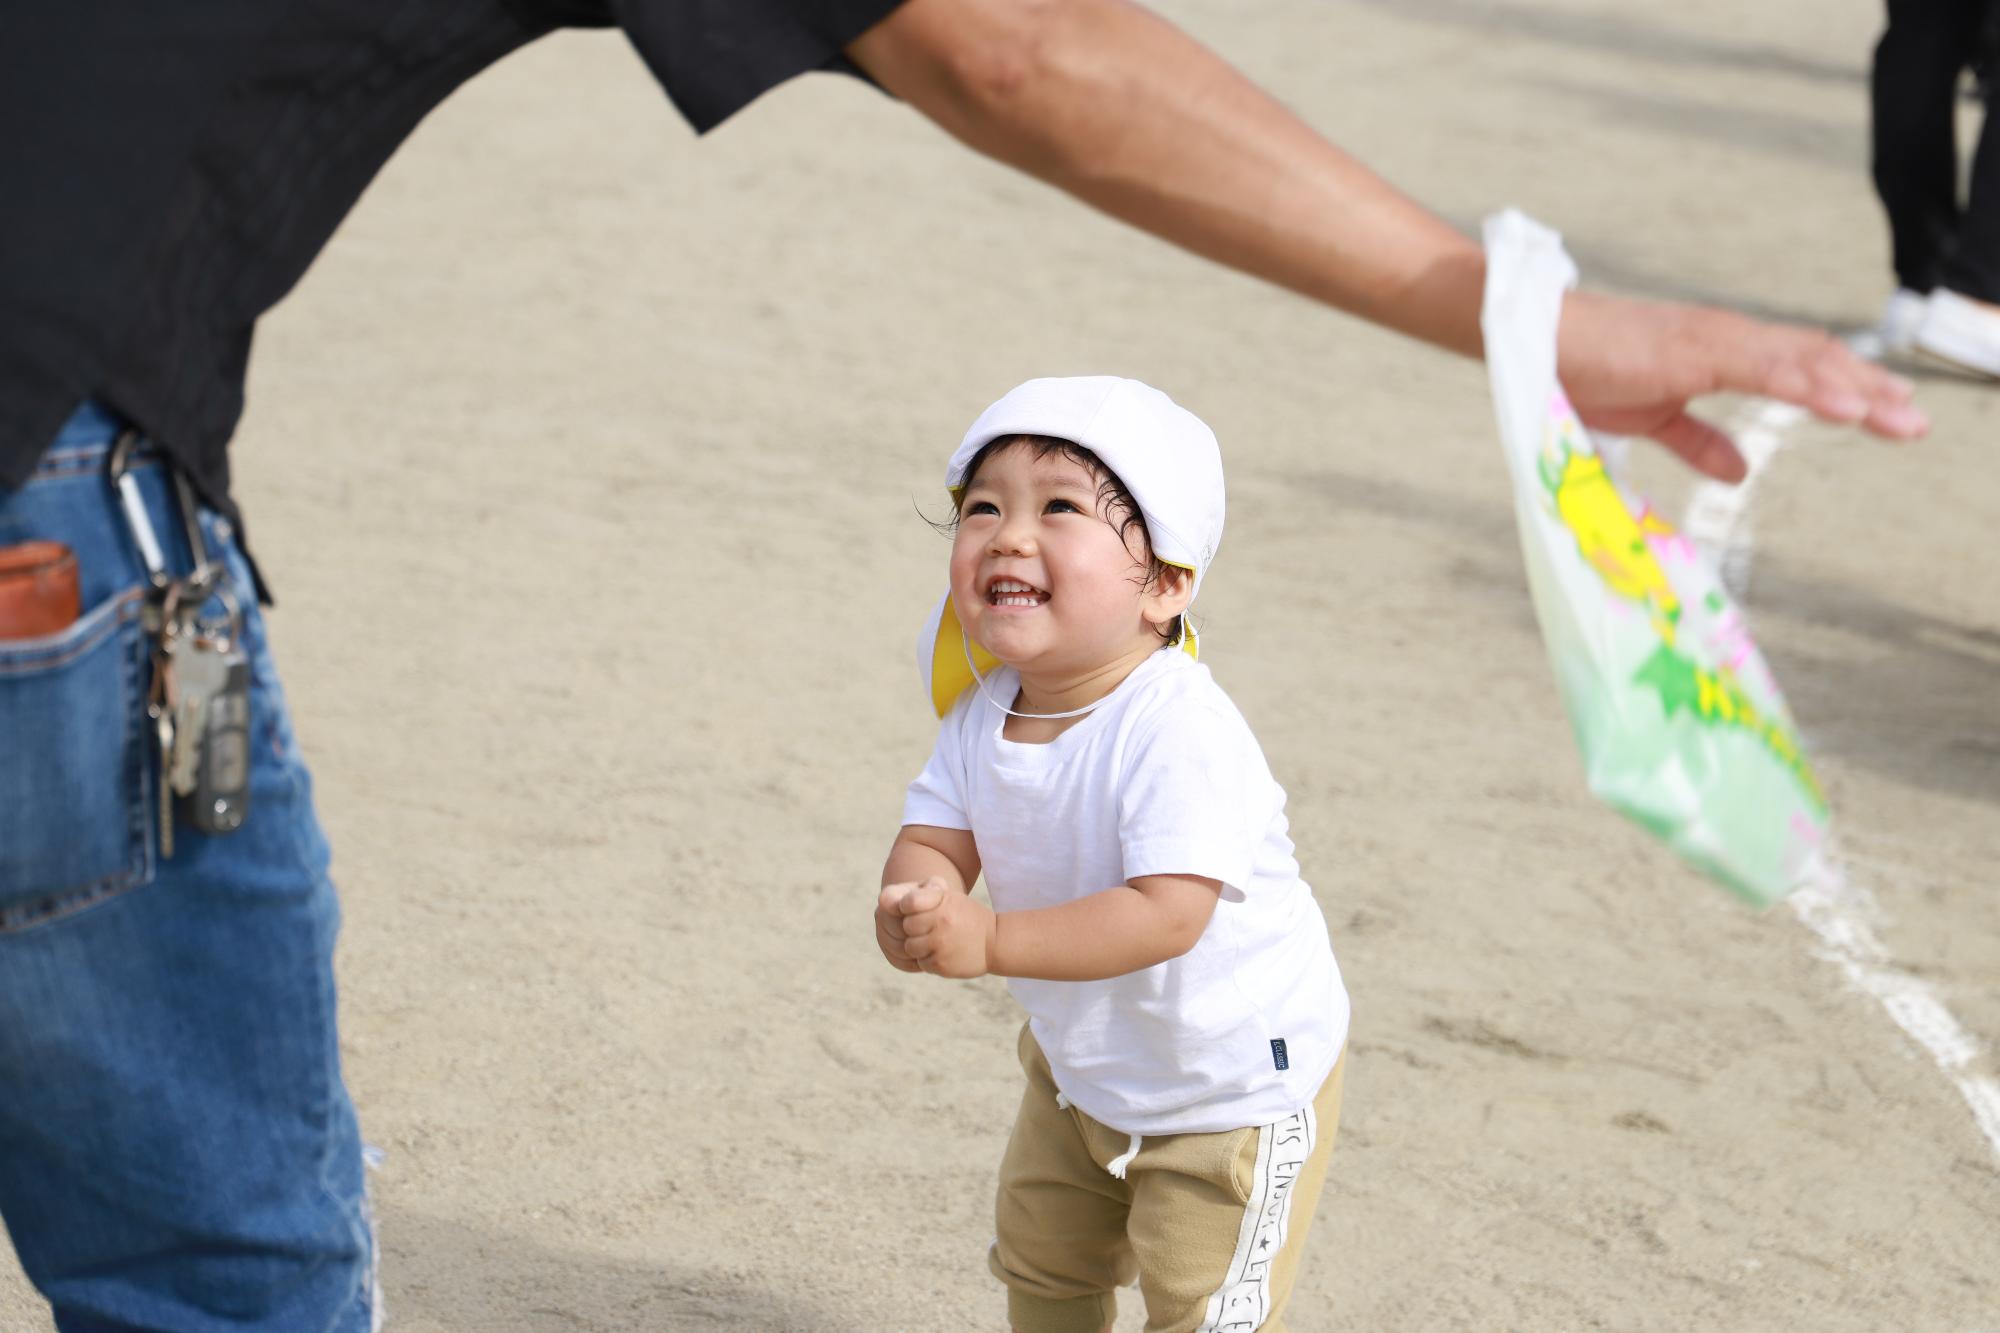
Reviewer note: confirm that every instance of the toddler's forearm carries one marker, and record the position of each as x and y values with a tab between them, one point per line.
1108	934
913	863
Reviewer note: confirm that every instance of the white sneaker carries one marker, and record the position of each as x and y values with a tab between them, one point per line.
1963	332
1896	332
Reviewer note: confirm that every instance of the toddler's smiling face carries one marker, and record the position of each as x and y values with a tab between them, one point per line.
1045	573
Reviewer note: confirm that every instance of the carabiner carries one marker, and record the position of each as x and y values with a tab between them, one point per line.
200	581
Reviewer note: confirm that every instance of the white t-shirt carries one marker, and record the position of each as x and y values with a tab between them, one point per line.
1161	778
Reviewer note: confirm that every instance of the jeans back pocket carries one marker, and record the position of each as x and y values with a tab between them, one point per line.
75	778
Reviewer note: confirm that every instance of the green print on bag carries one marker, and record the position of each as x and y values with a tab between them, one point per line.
1680	724
1713	697
1621	548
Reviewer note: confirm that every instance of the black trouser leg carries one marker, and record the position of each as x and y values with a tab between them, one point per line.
1974	266
1913	88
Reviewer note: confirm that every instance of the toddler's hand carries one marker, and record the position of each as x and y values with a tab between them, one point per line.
889	923
946	932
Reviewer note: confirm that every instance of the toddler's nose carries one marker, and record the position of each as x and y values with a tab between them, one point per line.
1013	537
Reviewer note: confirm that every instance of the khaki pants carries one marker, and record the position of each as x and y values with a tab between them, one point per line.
1210	1225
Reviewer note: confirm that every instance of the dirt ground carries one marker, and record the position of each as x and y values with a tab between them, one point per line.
588	467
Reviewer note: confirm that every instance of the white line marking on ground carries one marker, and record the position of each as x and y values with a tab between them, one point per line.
1837	912
1835	909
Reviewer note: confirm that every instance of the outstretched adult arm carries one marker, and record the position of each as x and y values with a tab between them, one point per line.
1114	105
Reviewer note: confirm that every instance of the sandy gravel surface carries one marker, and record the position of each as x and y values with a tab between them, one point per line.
587	466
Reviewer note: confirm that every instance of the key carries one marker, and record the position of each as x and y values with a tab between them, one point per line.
198	672
163	734
222	789
158	708
217	776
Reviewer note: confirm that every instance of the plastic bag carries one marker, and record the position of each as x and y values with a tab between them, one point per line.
1681	725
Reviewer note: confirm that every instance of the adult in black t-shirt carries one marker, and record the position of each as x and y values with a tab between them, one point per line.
176	1147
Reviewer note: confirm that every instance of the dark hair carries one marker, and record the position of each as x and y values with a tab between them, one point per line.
1115	504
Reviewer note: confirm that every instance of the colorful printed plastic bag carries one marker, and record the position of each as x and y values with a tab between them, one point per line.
1681	726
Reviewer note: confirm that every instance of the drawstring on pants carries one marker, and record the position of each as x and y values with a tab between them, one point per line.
1116	1166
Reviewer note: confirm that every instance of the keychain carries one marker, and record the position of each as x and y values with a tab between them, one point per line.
212	688
199	704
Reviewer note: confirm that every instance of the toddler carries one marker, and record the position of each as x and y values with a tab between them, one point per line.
1186	1019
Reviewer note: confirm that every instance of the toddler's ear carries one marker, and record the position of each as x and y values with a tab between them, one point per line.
1170	594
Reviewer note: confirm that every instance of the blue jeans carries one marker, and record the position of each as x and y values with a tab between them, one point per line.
177	1150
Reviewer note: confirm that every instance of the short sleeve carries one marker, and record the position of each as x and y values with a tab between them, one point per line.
714	57
1194	799
938	796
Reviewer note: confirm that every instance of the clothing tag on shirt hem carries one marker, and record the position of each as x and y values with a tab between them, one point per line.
1278	1056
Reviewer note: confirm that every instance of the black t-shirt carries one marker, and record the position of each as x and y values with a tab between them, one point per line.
168	169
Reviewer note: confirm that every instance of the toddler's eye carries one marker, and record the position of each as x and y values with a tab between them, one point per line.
1060	507
981	507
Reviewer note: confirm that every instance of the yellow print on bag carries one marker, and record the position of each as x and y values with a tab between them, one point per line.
1620	548
1606	534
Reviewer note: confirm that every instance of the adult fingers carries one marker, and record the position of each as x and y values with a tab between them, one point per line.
1823	375
1899	419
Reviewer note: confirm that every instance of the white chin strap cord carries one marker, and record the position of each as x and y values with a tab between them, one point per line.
965	642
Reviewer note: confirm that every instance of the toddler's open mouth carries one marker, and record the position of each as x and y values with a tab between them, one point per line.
1013	592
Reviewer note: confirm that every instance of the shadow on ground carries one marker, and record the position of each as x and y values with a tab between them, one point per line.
1839	145
1920	709
448	1274
1626	35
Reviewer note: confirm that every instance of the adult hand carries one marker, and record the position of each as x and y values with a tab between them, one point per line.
1630	367
949	934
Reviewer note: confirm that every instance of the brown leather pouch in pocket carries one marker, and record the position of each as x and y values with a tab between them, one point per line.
38	589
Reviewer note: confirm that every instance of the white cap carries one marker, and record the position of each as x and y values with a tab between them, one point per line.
1164	454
